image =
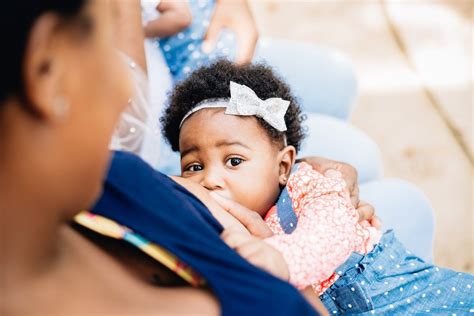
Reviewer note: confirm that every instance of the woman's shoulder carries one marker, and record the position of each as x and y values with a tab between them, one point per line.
90	280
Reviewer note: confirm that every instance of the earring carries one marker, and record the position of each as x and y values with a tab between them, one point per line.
61	107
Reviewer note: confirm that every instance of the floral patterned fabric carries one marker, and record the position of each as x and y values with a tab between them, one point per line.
327	229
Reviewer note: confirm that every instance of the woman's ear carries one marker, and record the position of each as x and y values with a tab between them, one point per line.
42	69
286	158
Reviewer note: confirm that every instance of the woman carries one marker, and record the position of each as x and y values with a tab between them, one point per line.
62	89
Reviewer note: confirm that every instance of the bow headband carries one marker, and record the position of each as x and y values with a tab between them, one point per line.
244	102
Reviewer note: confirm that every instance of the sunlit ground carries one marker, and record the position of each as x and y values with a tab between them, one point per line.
415	73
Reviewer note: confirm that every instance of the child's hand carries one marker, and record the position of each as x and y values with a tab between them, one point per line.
257	252
250	219
175	16
236	16
222	216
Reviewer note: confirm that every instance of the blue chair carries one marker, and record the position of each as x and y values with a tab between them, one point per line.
323	79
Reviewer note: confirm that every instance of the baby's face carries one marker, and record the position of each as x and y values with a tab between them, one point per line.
232	156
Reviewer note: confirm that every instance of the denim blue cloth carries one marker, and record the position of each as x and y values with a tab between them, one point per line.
183	52
390	280
154	206
286	214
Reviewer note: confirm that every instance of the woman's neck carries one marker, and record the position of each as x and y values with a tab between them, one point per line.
29	217
30	244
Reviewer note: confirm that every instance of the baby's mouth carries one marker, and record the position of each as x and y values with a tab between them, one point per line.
224	194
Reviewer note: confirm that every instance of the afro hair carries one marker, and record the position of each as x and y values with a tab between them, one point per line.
213	81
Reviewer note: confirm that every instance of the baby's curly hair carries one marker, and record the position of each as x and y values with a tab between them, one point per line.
213	81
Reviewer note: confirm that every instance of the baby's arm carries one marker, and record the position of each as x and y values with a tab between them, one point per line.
174	17
326	230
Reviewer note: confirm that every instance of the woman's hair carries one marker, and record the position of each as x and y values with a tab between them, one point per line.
210	82
16	21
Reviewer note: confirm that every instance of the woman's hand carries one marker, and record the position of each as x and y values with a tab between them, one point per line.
251	220
236	16
257	252
336	169
367	212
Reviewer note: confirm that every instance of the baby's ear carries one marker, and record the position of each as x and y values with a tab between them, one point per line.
286	158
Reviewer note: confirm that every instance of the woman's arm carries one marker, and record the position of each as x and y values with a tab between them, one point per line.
129	31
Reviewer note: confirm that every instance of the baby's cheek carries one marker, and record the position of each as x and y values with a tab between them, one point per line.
193	178
261	198
257	189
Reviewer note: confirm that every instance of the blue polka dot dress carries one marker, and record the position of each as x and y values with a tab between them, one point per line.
183	51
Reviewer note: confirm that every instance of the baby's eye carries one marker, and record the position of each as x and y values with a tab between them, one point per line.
234	162
194	168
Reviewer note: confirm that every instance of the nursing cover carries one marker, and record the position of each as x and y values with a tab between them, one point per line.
154	206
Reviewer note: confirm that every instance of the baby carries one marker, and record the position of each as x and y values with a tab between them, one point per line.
178	29
238	130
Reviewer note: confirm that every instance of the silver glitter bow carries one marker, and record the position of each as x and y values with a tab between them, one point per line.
244	101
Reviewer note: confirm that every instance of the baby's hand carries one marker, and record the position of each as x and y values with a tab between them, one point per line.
257	252
236	16
222	216
250	219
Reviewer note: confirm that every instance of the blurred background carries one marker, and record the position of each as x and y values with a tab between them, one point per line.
414	68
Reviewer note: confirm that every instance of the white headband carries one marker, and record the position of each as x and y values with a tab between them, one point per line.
244	102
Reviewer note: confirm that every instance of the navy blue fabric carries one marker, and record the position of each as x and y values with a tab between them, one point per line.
156	207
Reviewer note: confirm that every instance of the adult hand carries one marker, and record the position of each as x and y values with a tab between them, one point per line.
250	219
257	252
236	16
336	169
367	212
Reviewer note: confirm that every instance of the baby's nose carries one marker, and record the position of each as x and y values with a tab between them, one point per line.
212	181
